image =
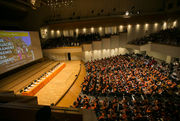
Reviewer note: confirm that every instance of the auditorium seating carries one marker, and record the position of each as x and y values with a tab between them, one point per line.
168	37
73	41
131	87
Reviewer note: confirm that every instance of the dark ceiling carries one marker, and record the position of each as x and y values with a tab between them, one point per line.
21	13
12	10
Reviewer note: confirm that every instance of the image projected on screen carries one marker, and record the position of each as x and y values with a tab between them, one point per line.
15	49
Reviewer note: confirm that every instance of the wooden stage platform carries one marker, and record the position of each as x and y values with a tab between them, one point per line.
57	87
58	90
75	90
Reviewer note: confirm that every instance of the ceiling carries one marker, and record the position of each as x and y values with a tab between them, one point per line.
21	13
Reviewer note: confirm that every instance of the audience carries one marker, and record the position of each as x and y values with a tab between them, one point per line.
70	41
130	87
126	75
73	41
168	36
131	107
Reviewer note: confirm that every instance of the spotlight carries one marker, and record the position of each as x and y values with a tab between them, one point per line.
127	13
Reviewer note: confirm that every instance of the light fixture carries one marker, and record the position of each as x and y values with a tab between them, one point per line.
77	30
164	25
92	29
146	25
35	3
59	3
84	30
121	28
174	23
129	25
58	32
51	3
52	31
100	29
127	13
137	26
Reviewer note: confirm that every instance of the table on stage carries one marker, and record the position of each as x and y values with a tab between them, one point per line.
36	87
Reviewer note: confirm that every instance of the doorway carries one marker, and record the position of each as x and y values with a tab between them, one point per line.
69	56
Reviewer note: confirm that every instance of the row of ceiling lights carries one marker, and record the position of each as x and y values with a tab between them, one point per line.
121	26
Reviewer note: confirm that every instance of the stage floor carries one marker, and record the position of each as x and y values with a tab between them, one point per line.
57	87
74	92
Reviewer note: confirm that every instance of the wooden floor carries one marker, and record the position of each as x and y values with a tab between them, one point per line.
58	86
74	92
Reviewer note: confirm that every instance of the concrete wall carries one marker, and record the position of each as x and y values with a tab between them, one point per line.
111	47
166	49
86	52
159	51
61	54
105	48
122	39
157	55
114	42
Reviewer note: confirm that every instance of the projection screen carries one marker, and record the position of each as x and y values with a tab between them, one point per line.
18	48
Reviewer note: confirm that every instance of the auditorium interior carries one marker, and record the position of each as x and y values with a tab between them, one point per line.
90	60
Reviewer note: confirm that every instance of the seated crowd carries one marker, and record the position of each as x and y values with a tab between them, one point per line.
40	78
59	42
168	36
130	87
70	41
73	41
